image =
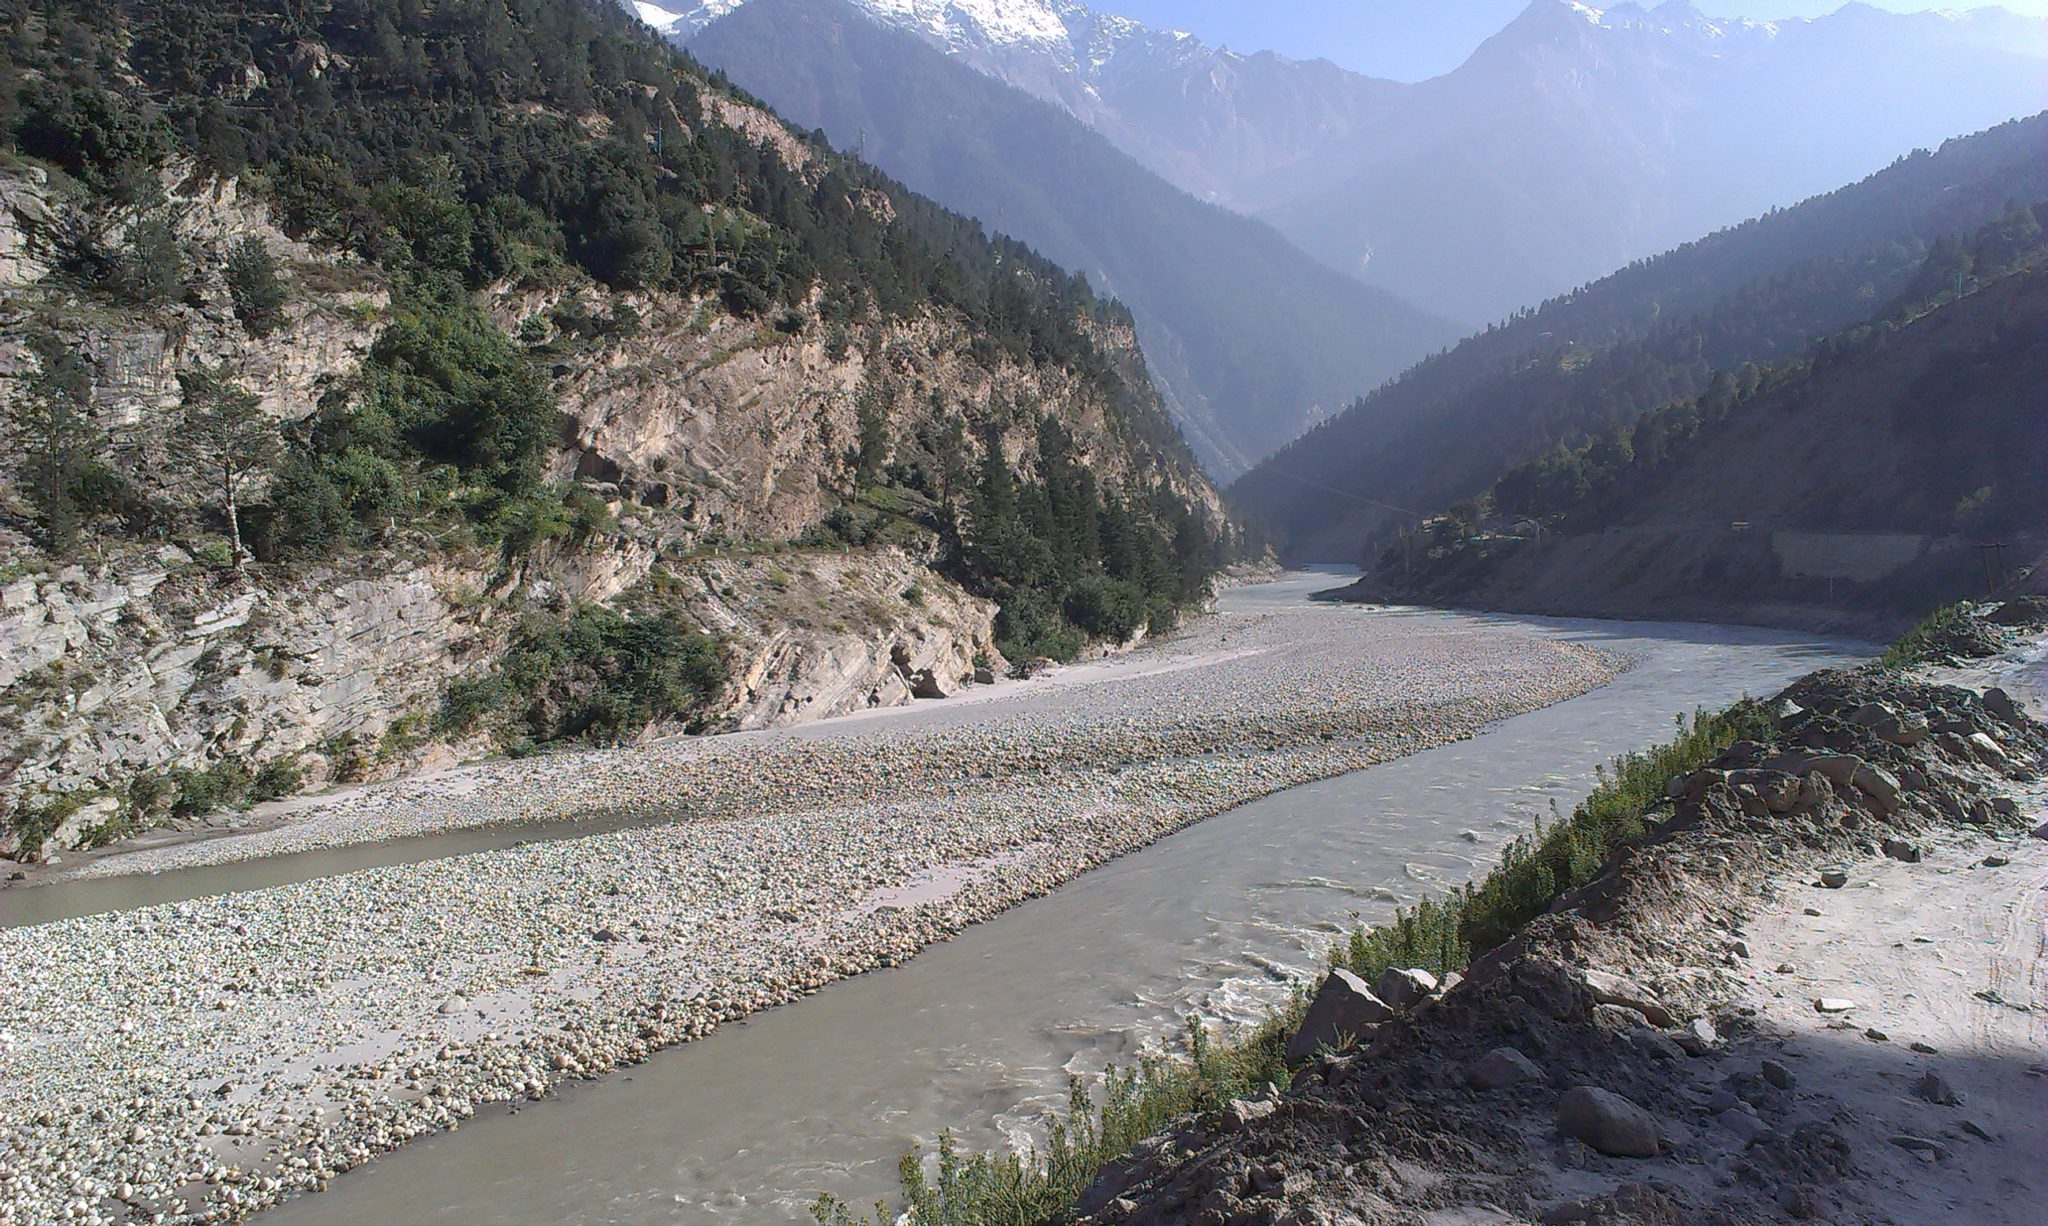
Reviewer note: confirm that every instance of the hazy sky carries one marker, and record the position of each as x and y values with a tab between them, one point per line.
1411	39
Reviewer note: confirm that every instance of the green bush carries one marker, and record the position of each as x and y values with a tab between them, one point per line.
1442	935
597	675
1924	643
1040	1186
275	779
34	823
224	785
1106	608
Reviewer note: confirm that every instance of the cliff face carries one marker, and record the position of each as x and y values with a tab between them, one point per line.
715	449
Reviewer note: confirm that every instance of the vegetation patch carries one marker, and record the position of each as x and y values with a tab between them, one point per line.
597	675
1013	1188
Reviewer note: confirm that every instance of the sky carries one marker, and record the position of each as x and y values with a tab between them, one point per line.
1407	40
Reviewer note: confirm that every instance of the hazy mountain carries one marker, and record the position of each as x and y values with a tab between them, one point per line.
1252	339
1574	141
1599	358
1209	119
1846	487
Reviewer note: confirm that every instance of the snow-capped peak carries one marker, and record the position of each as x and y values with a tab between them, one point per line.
1004	22
1074	36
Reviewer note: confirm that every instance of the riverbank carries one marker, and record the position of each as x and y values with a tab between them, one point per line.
1812	989
220	1053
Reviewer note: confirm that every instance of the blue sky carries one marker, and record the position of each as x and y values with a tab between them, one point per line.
1411	39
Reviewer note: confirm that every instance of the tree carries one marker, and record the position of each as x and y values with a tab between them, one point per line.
224	439
54	439
254	288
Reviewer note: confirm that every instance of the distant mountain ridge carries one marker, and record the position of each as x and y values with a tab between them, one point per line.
1575	140
1251	339
1597	359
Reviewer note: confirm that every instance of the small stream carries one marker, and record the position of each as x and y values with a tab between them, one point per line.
980	1034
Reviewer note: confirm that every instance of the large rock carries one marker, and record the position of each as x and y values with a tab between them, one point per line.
1344	1009
1880	785
1838	768
1405	988
1611	989
1607	1122
1907	730
1500	1068
1778	790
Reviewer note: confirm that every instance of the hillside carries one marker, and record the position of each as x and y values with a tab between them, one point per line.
390	386
1602	356
1846	488
1251	339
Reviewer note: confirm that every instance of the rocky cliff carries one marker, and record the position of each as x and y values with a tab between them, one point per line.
792	482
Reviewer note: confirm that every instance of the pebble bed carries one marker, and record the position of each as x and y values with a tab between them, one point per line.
196	1061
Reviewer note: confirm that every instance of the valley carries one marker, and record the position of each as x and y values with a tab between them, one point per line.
988	613
608	947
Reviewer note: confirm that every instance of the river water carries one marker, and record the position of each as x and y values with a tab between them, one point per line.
979	1034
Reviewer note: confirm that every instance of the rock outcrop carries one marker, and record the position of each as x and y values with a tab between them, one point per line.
723	456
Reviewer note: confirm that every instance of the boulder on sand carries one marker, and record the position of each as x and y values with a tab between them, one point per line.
1344	1009
1607	1122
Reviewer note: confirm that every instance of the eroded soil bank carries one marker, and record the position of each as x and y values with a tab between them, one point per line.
1815	990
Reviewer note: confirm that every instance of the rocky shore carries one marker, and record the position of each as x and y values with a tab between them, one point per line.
1813	991
195	1061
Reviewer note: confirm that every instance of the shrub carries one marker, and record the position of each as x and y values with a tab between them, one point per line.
1927	640
275	779
1106	608
1040	1185
224	785
254	288
597	675
1442	935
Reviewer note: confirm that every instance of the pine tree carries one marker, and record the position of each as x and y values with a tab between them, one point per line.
54	440
224	440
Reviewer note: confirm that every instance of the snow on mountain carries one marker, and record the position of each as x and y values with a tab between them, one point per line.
657	16
1074	38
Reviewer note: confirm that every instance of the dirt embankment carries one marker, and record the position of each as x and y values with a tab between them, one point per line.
1817	991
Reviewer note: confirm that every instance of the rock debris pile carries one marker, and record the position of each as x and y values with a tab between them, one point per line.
1624	1058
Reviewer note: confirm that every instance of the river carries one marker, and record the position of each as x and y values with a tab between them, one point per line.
979	1034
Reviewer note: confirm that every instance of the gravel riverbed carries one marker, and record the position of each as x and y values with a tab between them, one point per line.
197	1060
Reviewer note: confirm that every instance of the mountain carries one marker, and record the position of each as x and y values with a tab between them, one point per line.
1847	487
388	384
1252	339
1574	141
1578	140
1208	119
1599	358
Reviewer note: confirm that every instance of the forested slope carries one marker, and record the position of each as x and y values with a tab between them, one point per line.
1889	468
495	342
1601	357
1253	338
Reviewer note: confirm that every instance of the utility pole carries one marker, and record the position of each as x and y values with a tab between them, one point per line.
1991	555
